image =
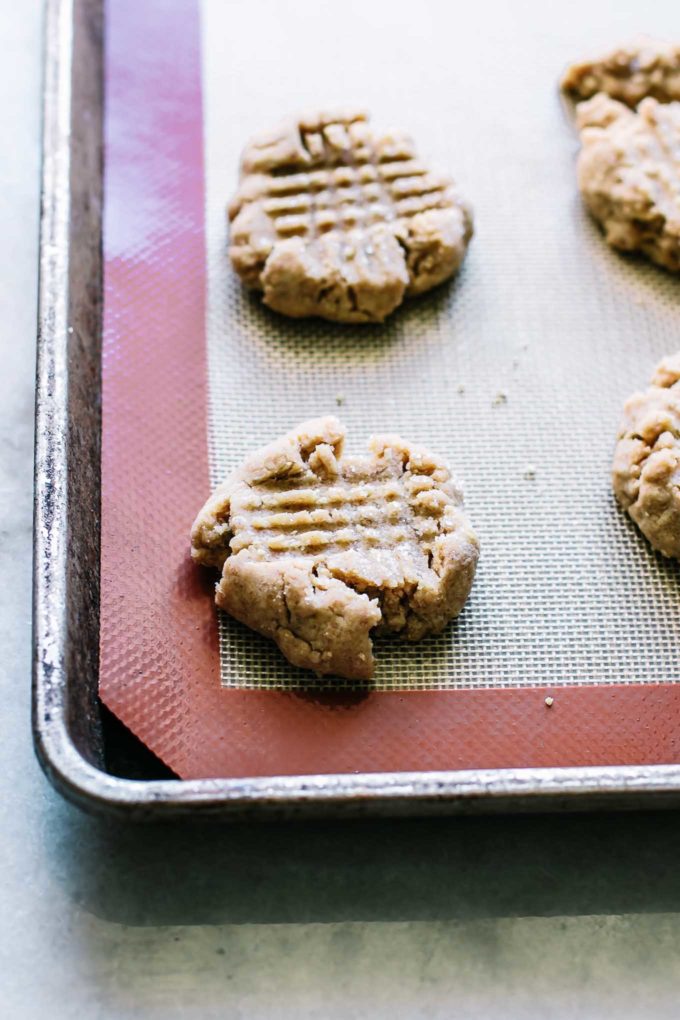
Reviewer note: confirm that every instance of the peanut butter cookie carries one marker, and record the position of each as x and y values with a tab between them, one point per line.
318	550
646	471
629	174
333	220
646	67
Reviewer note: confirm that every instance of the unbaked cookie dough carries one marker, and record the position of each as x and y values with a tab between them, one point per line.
629	174
318	550
646	471
331	219
646	67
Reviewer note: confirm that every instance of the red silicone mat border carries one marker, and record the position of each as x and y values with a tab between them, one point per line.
159	660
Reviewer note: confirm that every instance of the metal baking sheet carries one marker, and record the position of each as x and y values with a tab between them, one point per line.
543	312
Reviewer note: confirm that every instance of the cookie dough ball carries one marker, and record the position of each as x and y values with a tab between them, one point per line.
629	175
317	550
646	471
334	220
645	67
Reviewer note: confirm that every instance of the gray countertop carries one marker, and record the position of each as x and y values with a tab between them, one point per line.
480	918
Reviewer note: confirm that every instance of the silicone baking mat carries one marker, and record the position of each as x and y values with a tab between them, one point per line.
516	373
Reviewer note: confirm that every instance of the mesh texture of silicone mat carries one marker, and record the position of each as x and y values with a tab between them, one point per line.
568	595
516	374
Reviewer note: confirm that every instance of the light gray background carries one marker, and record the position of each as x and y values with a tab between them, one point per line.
494	918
